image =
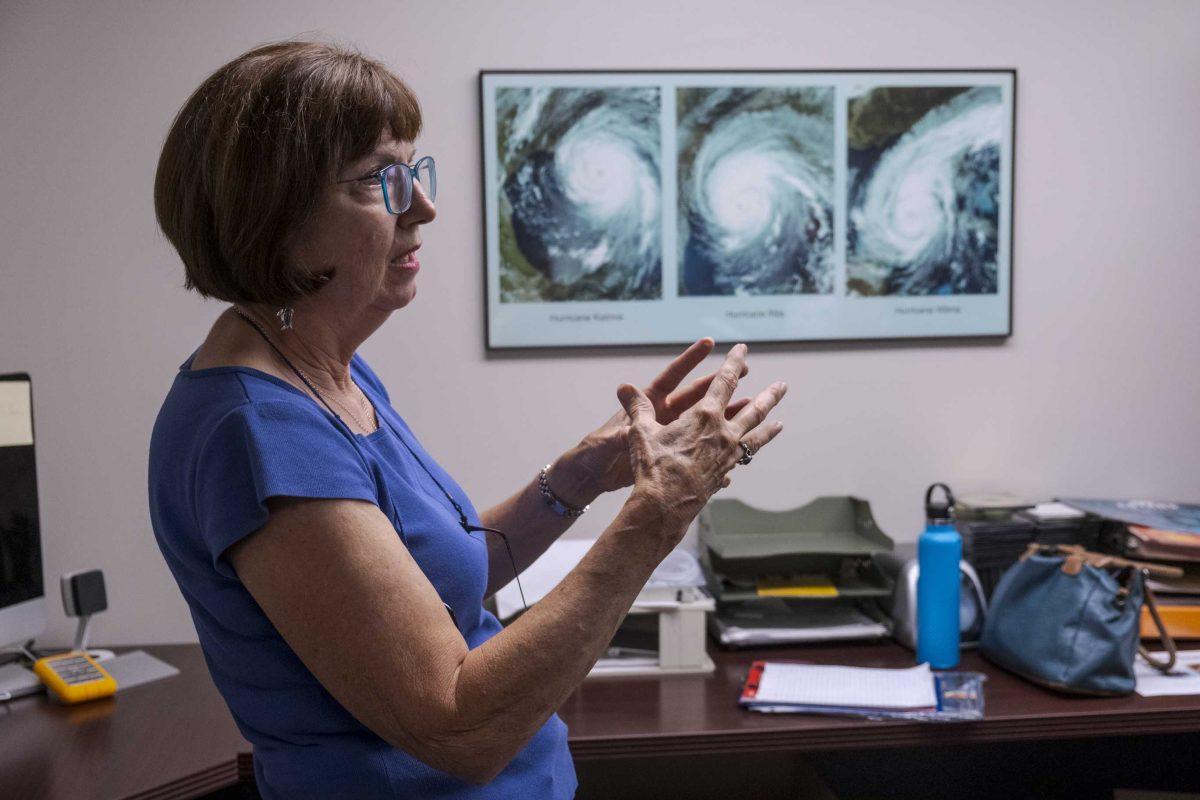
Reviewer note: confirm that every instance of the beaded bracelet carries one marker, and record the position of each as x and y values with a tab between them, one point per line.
554	501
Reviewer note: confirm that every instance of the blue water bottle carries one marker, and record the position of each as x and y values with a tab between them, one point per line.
939	583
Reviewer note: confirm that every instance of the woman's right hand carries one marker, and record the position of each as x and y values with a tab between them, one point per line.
680	465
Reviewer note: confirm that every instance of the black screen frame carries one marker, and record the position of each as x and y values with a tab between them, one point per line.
38	587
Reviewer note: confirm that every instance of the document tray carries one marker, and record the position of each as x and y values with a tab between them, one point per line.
745	544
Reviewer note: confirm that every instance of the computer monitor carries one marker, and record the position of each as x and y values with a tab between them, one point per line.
22	592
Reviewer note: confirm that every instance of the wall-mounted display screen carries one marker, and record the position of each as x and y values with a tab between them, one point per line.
659	207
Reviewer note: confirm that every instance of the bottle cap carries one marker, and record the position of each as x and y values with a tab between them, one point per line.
939	512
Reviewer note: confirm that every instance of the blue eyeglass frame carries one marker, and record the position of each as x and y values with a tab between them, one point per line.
409	176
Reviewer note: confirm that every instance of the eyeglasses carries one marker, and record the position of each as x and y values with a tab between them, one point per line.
396	181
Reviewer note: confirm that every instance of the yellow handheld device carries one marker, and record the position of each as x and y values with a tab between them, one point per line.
74	677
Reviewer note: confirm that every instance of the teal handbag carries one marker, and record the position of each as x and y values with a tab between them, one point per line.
1068	619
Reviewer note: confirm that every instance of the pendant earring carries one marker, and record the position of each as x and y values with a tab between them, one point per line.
285	315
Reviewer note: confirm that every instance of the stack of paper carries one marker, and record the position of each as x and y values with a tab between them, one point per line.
775	686
778	622
1164	532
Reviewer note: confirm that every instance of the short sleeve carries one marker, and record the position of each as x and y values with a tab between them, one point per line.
270	449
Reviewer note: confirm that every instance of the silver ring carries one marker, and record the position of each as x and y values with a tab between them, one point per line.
747	453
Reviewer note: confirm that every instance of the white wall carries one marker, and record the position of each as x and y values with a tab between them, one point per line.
1095	394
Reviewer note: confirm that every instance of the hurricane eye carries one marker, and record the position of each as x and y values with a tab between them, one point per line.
591	208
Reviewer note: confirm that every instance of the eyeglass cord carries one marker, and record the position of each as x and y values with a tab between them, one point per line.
462	514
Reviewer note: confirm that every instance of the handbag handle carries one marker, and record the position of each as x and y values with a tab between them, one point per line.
1102	560
1076	556
1167	641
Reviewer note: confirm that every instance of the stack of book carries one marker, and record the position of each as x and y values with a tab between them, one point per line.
1162	532
804	575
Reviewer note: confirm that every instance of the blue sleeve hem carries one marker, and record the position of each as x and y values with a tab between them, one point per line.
265	449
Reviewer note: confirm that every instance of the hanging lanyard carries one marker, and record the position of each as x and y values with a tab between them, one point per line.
463	521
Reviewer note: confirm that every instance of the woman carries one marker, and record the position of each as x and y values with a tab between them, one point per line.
318	545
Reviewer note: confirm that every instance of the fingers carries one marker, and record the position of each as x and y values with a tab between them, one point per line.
686	398
762	435
733	408
678	369
757	409
725	381
637	405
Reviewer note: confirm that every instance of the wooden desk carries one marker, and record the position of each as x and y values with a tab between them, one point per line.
688	715
175	738
172	738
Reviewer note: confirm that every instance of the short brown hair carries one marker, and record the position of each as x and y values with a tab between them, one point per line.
251	151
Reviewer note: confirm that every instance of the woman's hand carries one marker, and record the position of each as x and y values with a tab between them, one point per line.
679	465
600	462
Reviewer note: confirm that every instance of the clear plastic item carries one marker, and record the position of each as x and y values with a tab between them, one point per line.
960	699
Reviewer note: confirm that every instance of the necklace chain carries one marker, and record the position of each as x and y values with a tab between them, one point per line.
339	403
308	381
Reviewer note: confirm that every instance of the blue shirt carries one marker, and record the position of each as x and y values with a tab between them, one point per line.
226	440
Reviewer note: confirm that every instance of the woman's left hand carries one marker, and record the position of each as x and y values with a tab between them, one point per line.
600	462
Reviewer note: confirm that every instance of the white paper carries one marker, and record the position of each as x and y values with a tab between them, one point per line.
679	569
814	622
542	575
752	636
16	420
1054	511
852	687
1183	679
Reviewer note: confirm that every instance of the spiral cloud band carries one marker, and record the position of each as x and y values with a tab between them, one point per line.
581	177
924	207
755	191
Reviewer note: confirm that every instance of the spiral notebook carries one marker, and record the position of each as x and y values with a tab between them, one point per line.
781	686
